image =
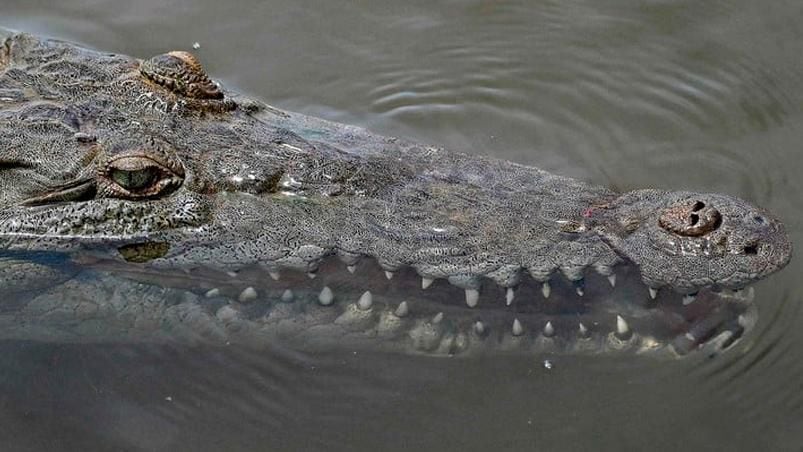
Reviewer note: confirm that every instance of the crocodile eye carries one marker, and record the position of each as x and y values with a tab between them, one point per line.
139	177
134	180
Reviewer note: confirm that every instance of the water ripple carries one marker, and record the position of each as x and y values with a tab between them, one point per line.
648	88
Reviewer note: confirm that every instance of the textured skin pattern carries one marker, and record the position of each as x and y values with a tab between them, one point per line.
94	155
182	73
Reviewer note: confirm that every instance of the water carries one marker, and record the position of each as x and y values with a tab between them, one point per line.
671	94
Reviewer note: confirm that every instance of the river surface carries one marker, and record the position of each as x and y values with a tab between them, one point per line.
622	93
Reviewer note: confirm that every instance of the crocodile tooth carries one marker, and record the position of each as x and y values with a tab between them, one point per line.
479	328
426	282
518	330
248	294
437	318
402	310
582	330
351	268
212	293
623	331
689	298
326	297
389	275
509	295
549	330
227	313
546	289
311	275
232	274
612	279
580	286
287	296
365	301
472	297
274	275
603	270
653	293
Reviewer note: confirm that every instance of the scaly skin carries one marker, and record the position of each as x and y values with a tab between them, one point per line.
149	171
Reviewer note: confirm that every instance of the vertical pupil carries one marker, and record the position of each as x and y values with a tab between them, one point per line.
134	180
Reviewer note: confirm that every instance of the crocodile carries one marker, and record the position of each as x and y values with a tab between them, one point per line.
141	200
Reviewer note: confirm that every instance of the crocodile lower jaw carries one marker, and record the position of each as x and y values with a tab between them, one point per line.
346	306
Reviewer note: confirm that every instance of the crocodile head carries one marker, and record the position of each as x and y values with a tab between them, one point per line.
689	241
149	174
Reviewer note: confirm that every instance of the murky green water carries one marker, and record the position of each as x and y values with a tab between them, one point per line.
672	94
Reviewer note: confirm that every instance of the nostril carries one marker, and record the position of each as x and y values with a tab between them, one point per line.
751	249
690	219
759	219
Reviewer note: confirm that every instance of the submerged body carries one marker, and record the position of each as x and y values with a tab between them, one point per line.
141	201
